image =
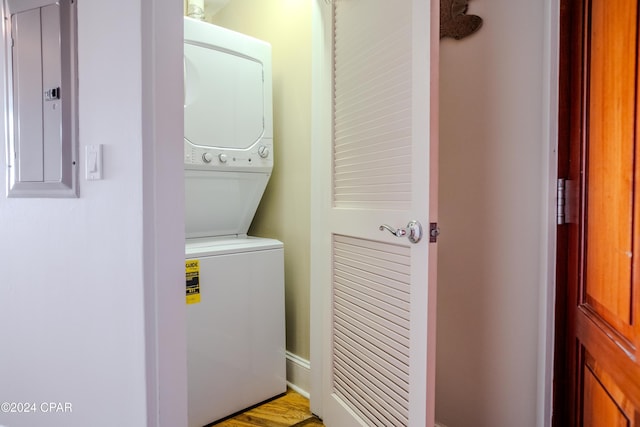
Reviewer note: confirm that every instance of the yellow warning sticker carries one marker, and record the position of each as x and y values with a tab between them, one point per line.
193	281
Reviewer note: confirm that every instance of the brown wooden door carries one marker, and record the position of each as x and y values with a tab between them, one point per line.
597	355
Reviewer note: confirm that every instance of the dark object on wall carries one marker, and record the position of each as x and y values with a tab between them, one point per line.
454	22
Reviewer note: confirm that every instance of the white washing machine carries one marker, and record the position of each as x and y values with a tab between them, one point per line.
235	334
235	283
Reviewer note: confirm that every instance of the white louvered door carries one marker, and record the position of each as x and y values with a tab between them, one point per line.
379	313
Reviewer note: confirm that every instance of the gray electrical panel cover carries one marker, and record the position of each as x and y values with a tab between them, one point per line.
41	104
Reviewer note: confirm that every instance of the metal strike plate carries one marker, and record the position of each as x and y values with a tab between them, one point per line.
434	232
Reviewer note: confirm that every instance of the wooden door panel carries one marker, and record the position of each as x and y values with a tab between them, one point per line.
609	360
599	361
603	402
611	32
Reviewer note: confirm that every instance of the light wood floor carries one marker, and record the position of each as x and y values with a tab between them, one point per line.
290	410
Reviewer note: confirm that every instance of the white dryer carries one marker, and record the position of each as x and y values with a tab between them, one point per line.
235	314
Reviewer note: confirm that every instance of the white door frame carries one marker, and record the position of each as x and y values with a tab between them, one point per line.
162	183
546	305
320	155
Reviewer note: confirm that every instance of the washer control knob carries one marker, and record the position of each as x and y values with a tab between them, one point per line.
222	157
263	151
207	157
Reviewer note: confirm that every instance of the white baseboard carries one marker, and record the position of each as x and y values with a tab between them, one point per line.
298	374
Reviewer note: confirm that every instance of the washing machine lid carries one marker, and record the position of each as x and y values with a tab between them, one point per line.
227	104
197	248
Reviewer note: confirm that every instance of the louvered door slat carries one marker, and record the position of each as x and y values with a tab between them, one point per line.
382	289
373	347
372	127
386	370
384	173
368	319
363	404
396	261
393	396
390	330
379	317
356	286
386	269
393	414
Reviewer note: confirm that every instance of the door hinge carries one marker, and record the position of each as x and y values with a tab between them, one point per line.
566	202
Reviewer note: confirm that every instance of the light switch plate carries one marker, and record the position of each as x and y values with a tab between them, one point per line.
93	162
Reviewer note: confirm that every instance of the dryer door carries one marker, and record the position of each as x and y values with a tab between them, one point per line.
224	98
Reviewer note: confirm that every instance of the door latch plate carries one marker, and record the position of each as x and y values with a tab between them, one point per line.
434	232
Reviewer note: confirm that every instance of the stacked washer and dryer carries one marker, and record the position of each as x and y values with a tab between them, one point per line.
236	335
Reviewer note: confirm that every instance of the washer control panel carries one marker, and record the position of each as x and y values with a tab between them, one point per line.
260	155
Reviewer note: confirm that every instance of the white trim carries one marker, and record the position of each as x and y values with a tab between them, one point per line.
298	390
163	217
298	374
546	322
320	155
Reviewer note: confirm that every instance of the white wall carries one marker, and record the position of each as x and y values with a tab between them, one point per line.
491	186
81	283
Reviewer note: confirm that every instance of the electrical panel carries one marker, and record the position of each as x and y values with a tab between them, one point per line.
42	98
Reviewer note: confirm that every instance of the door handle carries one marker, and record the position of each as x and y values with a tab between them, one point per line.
413	231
